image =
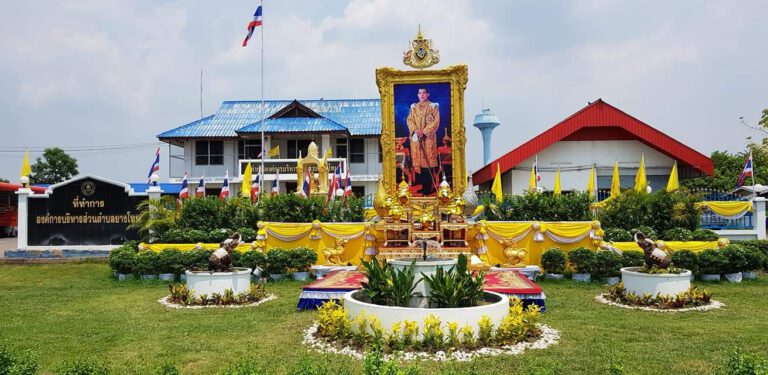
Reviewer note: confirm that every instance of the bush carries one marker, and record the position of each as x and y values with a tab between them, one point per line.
677	234
686	259
123	259
537	206
170	261
633	258
218	235
13	363
618	235
702	234
740	363
83	367
553	260
196	259
607	264
754	258
247	234
277	261
712	262
252	259
147	262
582	260
204	214
646	230
301	259
735	259
660	211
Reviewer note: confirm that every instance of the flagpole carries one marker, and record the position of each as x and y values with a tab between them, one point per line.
263	110
752	161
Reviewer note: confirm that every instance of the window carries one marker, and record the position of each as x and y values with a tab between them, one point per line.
381	157
358	191
357	150
341	147
298	145
209	152
248	148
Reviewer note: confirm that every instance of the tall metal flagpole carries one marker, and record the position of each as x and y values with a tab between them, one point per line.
263	110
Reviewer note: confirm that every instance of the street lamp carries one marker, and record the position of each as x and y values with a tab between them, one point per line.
24	181
154	179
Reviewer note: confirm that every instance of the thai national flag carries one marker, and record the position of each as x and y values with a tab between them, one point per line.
276	184
253	25
200	191
255	188
155	166
747	171
335	183
225	188
347	185
306	188
536	169
184	193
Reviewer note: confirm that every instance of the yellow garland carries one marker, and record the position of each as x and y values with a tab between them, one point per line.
727	209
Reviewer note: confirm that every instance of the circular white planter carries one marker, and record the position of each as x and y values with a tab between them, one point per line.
710	277
205	282
749	275
389	315
427	267
655	284
733	277
554	276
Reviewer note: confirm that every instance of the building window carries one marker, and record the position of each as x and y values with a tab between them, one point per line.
357	150
381	157
209	152
298	145
358	191
248	148
341	147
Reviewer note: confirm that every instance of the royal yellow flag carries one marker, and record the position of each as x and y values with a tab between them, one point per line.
247	183
557	182
328	153
532	180
26	170
496	187
615	181
673	183
274	151
641	182
591	184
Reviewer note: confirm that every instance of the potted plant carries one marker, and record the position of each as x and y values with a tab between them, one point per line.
736	262
632	258
123	260
277	263
686	259
583	263
553	260
711	264
254	260
166	261
608	266
146	264
754	260
301	259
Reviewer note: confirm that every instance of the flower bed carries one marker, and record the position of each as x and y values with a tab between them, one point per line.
181	296
691	299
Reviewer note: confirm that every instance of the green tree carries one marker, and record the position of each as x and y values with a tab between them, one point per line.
55	166
4	180
764	119
728	168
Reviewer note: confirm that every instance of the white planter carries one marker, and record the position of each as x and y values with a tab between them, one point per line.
205	282
183	277
124	276
389	315
166	276
277	276
582	277
749	275
655	284
613	280
426	267
301	276
733	277
710	277
149	277
554	276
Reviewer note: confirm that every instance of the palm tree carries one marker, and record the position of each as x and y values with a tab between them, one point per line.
156	216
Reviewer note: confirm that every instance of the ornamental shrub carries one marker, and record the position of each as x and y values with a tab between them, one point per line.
754	258
196	259
247	234
218	235
618	235
277	261
712	262
533	206
677	234
302	258
702	234
646	230
660	211
123	259
582	260
553	260
252	259
607	264
736	261
633	258
147	262
169	261
686	259
204	214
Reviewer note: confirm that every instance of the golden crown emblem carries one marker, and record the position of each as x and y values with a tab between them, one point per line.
421	55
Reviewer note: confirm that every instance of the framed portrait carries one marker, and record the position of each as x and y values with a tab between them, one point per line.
422	128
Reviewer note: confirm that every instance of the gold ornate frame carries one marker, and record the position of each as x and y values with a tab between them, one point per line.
456	76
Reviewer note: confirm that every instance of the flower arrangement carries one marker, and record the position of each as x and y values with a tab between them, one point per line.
693	297
181	295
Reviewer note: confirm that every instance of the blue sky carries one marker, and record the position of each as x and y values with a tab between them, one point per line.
99	72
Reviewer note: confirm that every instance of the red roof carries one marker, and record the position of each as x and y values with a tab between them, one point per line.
5	186
599	121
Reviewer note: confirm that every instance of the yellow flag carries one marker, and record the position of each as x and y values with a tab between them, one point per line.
274	151
673	183
591	184
245	186
557	182
532	180
25	169
496	187
641	183
615	181
328	153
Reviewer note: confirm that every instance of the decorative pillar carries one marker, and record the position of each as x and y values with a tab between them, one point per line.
760	216
23	215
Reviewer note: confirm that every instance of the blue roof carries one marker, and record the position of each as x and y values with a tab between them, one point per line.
294	125
358	116
167	188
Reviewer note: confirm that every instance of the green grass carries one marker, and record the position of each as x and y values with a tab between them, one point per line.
73	311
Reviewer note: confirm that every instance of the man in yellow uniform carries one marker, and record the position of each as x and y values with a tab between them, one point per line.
423	122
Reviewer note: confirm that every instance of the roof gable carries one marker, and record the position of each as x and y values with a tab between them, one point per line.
598	121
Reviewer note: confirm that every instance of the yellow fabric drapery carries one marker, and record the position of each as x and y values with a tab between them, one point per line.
729	209
694	246
158	247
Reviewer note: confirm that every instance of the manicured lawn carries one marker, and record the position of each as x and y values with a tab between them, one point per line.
78	311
